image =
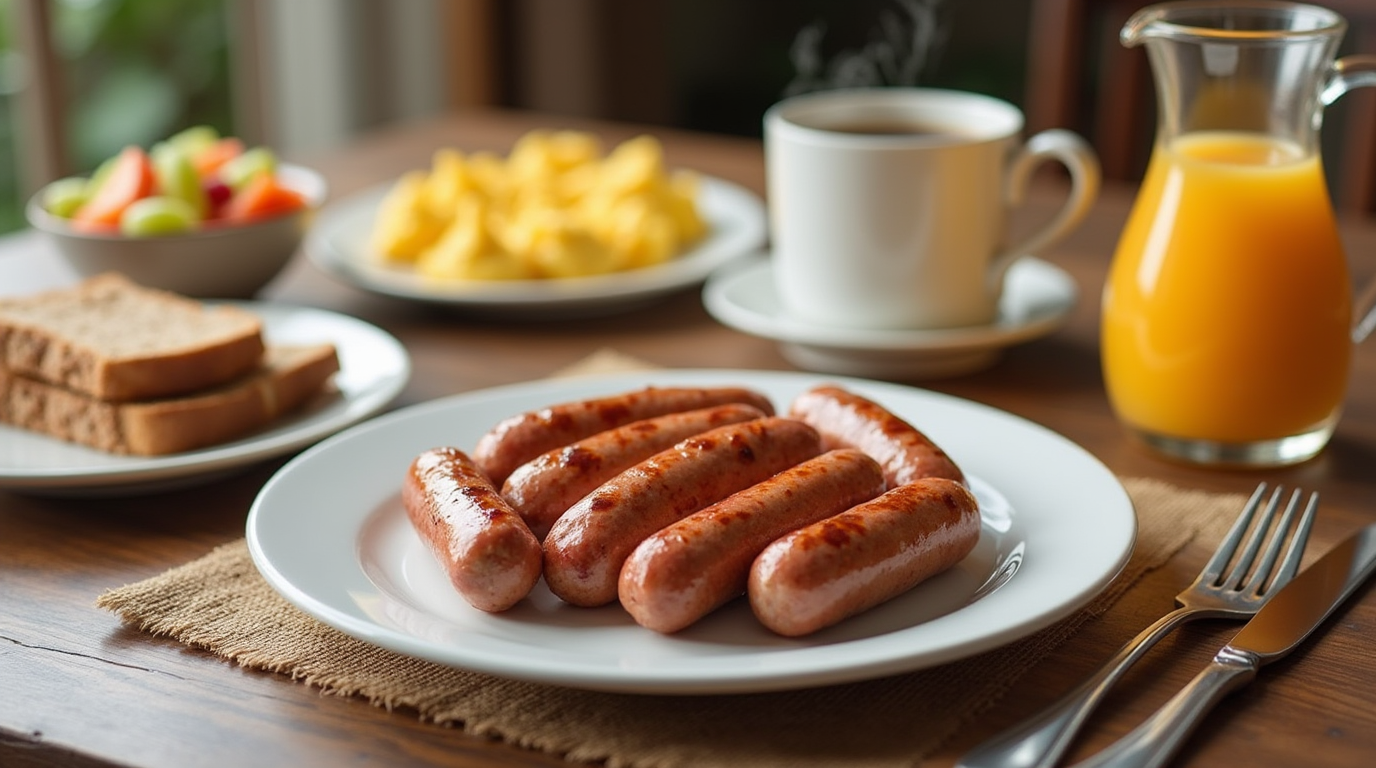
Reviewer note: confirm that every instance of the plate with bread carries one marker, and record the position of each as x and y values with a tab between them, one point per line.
109	387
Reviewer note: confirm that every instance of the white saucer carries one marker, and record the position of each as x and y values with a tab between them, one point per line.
1037	299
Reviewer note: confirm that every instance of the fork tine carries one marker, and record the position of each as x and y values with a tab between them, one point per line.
1257	584
1291	564
1243	564
1213	570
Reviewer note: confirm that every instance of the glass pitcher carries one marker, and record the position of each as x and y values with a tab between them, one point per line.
1228	312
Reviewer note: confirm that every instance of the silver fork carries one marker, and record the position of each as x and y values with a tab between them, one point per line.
1041	740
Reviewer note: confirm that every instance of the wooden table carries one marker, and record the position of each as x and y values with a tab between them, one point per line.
78	688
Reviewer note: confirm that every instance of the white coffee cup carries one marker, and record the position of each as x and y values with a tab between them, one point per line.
889	207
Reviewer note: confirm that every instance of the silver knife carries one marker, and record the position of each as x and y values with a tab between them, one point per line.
1281	625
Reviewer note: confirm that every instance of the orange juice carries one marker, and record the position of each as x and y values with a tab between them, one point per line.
1227	310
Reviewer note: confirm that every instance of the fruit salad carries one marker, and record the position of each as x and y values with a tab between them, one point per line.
193	180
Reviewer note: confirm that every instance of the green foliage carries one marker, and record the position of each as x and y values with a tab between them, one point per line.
11	210
134	71
139	70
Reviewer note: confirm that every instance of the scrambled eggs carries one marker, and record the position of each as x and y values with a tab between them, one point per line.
554	208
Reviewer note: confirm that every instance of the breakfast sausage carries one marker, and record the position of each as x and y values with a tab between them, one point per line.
489	554
847	420
588	544
518	439
685	571
827	571
542	489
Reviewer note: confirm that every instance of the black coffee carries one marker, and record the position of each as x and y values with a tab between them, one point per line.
889	128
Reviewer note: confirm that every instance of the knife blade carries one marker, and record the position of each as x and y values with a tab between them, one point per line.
1289	617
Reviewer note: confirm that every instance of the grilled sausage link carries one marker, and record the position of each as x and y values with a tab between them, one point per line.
545	487
685	571
847	420
818	575
485	548
587	546
518	439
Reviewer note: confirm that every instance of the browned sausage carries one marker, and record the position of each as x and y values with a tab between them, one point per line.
847	420
588	544
827	571
685	571
522	438
542	489
518	439
491	557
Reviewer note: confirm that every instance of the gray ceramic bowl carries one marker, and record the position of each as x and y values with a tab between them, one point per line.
222	262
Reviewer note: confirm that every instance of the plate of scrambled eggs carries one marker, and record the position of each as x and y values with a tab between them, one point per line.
558	227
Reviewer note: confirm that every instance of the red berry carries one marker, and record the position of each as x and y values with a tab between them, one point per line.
217	195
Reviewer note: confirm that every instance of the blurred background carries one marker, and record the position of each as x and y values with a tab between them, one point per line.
79	79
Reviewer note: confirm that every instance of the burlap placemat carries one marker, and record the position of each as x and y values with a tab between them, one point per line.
221	604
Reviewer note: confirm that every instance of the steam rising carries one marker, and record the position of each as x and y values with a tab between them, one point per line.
905	42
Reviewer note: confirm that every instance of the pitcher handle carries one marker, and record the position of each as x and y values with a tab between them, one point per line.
1355	71
1076	155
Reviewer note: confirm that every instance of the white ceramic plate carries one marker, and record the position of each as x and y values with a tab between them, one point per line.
328	533
339	244
374	368
1037	299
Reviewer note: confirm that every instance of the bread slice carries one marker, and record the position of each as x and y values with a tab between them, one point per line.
116	340
289	376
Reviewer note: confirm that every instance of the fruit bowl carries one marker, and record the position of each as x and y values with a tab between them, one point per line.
219	260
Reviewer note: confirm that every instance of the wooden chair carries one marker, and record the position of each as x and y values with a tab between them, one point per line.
1081	77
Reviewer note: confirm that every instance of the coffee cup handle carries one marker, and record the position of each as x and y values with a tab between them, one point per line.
1085	176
